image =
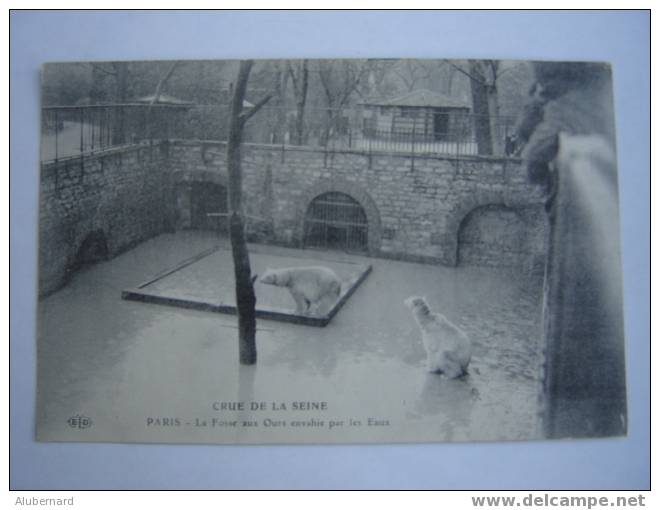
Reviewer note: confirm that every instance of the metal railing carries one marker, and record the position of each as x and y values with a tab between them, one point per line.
456	137
69	131
419	143
336	221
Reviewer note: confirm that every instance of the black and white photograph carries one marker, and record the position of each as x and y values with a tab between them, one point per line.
328	251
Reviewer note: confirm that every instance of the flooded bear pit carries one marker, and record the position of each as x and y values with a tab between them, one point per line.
120	363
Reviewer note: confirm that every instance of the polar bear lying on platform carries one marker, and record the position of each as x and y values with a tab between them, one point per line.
311	287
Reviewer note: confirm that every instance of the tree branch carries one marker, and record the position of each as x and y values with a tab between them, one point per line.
162	82
408	83
293	78
461	70
494	67
245	116
99	68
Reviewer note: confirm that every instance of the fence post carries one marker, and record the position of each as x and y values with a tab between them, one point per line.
369	152
458	146
412	146
82	145
82	127
57	128
91	125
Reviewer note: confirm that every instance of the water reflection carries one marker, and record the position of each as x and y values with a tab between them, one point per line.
454	399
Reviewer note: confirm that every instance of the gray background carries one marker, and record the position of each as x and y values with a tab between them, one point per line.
620	37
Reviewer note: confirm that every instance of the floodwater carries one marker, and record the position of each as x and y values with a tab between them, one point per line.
68	141
150	373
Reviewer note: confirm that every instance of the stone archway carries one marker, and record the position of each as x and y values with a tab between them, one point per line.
92	249
467	206
194	197
493	235
334	220
207	199
356	193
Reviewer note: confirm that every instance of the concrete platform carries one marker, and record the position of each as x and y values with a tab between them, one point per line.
206	282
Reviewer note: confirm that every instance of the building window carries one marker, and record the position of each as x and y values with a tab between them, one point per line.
408	113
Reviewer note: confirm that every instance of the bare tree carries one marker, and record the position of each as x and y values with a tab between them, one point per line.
98	92
157	93
411	72
379	83
449	75
245	297
163	80
119	72
483	76
339	79
300	80
280	84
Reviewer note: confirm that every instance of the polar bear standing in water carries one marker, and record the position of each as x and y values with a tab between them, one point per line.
448	348
310	287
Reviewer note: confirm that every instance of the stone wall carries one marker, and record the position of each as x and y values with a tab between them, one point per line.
499	236
470	210
585	368
415	207
118	197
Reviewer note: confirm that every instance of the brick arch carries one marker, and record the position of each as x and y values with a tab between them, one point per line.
184	185
465	207
93	248
100	220
353	190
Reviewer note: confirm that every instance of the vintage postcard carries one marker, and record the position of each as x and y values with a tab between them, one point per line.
329	251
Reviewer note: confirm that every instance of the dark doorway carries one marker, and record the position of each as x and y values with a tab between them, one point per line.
440	125
336	221
94	248
207	200
496	236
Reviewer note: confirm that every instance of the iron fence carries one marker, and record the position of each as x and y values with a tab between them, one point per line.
336	221
458	137
78	130
68	131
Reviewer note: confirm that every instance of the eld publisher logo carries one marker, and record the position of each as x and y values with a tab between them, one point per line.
79	422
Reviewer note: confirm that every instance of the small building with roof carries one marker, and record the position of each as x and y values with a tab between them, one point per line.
152	117
163	99
422	115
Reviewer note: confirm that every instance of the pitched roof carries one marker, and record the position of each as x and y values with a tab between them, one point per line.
163	99
420	97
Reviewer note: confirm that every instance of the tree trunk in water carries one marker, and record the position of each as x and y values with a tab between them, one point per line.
245	297
481	109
